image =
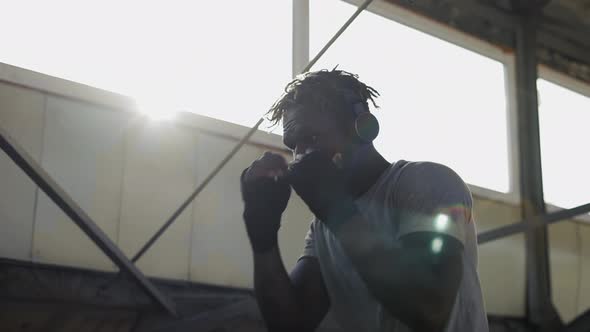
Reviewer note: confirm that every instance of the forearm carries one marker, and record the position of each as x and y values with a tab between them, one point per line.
275	293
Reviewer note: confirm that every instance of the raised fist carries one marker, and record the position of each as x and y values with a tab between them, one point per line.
266	193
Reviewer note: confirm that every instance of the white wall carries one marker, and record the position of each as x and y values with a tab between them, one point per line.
83	151
129	174
21	114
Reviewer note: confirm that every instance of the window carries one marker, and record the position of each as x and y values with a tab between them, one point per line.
231	59
224	59
439	102
564	116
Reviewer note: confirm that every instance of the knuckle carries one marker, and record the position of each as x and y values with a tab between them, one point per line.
270	156
272	160
267	155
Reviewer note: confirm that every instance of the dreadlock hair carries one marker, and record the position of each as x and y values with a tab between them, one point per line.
324	90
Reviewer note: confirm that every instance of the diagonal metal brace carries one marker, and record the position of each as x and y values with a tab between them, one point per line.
23	160
539	221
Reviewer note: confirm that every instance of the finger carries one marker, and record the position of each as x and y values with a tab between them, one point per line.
313	156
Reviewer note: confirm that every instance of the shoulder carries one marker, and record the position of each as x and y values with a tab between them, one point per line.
422	170
428	183
432	200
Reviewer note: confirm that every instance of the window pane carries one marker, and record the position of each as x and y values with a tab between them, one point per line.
564	116
439	102
224	59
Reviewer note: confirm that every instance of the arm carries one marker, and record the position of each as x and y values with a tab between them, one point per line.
296	303
416	282
289	303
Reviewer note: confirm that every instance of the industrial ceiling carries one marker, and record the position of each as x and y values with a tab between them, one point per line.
563	26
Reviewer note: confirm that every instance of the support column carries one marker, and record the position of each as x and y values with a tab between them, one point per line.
540	310
300	35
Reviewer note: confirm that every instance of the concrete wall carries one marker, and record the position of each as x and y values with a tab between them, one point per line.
129	174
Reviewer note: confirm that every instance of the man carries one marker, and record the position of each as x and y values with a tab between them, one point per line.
392	246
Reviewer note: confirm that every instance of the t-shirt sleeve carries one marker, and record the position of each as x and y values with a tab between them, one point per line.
309	245
430	197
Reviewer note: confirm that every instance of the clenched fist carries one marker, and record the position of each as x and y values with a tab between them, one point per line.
265	193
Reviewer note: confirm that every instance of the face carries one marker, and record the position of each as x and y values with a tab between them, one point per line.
305	128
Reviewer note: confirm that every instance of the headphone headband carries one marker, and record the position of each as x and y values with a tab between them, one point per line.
359	107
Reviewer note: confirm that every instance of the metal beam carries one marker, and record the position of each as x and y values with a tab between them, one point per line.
22	159
540	310
538	221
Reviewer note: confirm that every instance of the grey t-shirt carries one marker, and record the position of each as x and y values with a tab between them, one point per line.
408	197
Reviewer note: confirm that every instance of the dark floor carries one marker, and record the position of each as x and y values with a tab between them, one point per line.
36	297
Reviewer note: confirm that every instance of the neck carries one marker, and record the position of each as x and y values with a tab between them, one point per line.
366	166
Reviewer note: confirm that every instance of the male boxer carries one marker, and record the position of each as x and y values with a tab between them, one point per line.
392	246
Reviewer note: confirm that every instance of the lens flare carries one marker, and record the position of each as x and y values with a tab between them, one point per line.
157	109
441	222
436	245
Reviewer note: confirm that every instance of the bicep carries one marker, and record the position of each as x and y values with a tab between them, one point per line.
432	197
311	291
437	271
441	261
434	207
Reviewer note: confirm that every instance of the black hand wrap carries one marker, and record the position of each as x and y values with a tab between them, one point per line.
265	199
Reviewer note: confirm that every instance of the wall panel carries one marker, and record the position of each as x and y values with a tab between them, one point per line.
83	152
583	297
501	262
160	173
564	260
21	115
221	253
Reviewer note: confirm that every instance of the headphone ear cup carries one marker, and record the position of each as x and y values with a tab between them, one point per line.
366	127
